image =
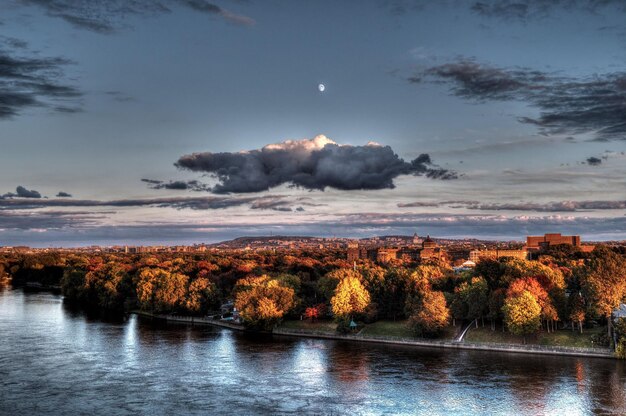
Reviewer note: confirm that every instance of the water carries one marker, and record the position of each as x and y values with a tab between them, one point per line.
57	361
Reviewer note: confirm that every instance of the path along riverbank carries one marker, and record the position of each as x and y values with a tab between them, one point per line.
424	343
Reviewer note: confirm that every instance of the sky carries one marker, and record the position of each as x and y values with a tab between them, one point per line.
191	121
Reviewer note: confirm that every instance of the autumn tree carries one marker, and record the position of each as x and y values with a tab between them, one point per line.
432	317
522	314
161	291
327	285
201	296
350	298
262	301
603	282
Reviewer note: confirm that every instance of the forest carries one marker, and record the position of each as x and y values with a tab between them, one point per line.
563	288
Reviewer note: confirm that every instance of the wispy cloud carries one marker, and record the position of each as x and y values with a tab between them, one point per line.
32	81
596	104
109	16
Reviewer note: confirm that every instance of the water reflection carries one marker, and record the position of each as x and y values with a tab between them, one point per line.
57	360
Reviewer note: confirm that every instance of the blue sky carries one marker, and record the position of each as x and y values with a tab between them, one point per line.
521	103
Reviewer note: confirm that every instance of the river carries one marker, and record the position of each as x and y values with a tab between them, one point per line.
54	360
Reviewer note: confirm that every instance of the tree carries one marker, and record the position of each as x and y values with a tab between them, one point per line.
603	282
432	317
530	284
522	314
314	312
577	310
161	291
350	298
476	296
200	295
263	302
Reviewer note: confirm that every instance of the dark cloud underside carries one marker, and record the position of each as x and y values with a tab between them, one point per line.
310	164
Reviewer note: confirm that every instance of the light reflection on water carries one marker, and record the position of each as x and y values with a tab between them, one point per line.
57	361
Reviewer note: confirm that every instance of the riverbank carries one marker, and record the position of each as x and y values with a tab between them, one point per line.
446	344
193	320
423	343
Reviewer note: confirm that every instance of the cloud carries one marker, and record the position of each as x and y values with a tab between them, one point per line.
48	220
594	161
310	164
206	7
106	17
27	82
21	192
510	10
595	104
7	202
192	185
417	204
561	206
532	9
62	194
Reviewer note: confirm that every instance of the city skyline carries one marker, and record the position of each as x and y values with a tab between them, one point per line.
123	124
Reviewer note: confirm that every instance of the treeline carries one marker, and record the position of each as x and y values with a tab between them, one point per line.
562	288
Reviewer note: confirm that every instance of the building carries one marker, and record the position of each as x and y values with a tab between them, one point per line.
385	255
431	250
548	240
477	255
353	253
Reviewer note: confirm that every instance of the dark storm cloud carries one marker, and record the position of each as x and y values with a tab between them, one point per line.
63	195
21	192
192	185
594	161
107	17
310	164
27	82
596	104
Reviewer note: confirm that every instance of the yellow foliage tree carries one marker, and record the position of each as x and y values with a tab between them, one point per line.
350	298
522	314
433	315
262	302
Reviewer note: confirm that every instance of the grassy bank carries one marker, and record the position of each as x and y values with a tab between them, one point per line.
560	338
398	329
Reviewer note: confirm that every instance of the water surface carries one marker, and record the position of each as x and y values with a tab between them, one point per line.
57	361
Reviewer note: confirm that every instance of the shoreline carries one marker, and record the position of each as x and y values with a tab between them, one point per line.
420	343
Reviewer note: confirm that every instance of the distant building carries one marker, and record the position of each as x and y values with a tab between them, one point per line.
477	255
431	250
385	255
354	253
548	240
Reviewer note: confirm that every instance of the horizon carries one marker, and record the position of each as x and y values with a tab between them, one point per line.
179	121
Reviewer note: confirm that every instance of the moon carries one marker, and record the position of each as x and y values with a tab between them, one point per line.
321	87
